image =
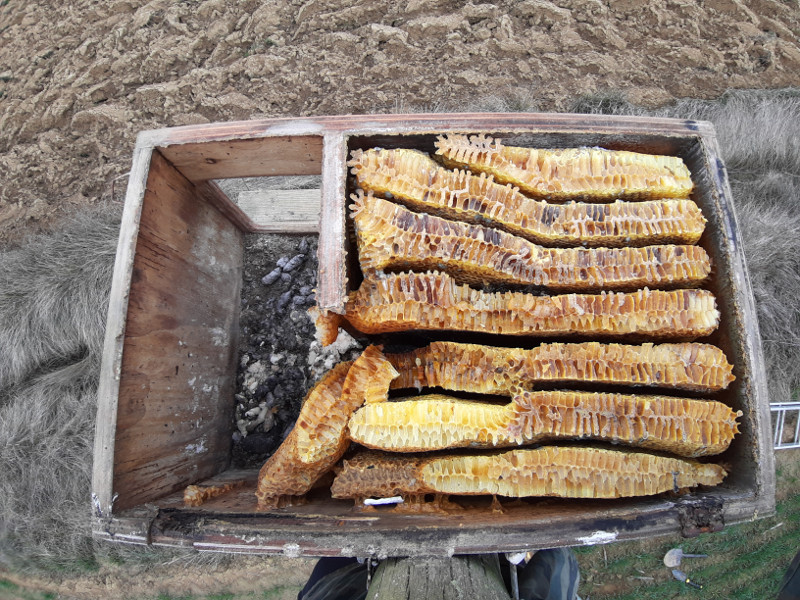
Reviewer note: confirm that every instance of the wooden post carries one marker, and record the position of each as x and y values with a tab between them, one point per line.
460	577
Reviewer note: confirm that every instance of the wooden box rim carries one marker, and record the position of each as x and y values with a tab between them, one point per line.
148	524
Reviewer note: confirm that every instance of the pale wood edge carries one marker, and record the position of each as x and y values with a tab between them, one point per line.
109	380
754	353
420	123
288	227
332	277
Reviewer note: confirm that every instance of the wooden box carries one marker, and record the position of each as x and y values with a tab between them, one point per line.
166	389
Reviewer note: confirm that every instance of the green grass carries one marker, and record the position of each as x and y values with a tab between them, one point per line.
11	591
745	561
278	591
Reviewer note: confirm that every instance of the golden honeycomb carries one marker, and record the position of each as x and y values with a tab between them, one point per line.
393	238
683	426
434	301
319	437
414	179
564	471
492	370
434	245
571	173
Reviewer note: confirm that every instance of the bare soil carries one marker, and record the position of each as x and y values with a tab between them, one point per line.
79	80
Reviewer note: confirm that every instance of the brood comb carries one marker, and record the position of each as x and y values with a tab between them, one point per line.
683	426
393	238
319	437
490	370
569	472
572	173
414	179
434	301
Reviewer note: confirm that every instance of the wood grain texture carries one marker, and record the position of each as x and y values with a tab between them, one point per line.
261	156
276	211
328	528
178	365
439	579
332	252
616	126
108	386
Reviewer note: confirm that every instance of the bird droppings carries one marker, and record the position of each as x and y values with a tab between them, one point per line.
279	358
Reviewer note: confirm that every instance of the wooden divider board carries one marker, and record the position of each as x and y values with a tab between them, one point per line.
282	211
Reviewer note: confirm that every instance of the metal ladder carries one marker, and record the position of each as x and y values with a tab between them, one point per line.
780	439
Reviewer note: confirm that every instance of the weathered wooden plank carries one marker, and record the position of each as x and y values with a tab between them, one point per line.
455	578
178	365
108	387
418	123
282	210
260	156
753	396
332	274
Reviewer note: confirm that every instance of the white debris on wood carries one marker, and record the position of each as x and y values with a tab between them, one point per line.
380	501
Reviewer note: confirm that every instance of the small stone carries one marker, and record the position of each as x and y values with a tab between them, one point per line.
298	300
295	262
284	299
236	436
285	277
305	290
271	277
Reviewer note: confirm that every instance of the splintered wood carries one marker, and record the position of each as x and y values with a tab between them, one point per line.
500	246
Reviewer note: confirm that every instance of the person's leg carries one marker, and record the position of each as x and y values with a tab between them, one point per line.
550	575
336	578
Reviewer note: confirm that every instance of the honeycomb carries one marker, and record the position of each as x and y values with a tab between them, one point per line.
683	426
569	472
434	245
393	238
491	370
319	437
412	178
572	173
434	301
197	495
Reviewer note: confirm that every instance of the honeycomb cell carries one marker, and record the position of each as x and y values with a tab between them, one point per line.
414	179
492	370
683	426
571	173
319	437
435	302
564	471
392	238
